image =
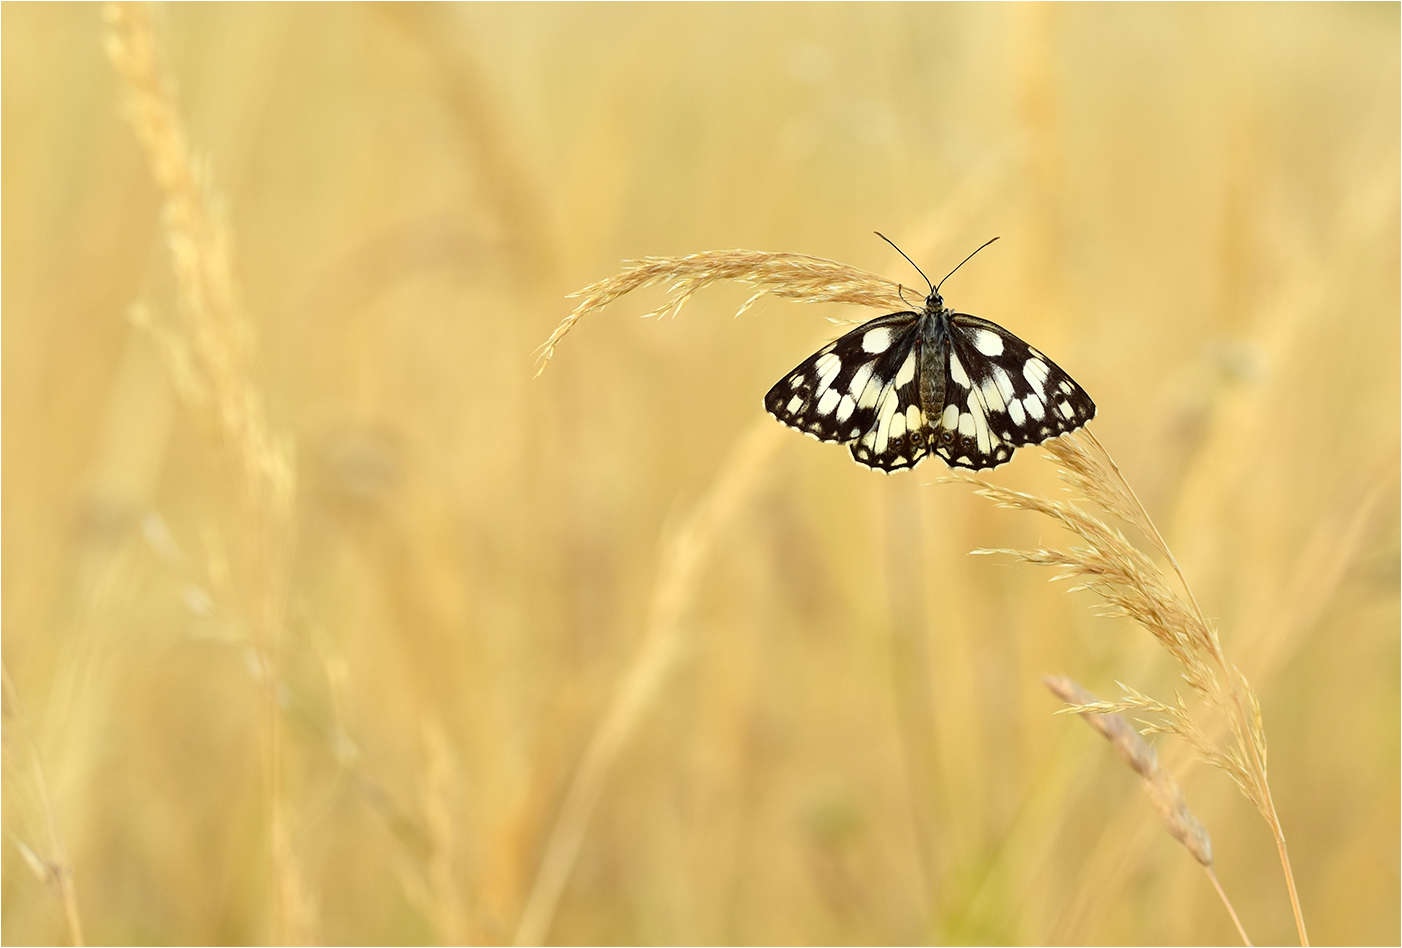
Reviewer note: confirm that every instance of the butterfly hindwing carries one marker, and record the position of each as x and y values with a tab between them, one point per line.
1002	394
838	393
897	436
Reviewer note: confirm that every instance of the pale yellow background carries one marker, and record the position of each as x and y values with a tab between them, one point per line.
1198	208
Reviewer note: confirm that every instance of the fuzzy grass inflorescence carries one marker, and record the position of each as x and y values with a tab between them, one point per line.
793	276
1163	791
1135	587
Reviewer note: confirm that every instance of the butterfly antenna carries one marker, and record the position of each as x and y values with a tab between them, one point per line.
908	260
961	263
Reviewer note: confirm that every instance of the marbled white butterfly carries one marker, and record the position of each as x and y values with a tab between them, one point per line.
901	386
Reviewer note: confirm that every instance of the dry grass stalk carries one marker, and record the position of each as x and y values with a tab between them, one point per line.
1134	586
56	871
792	276
1321	566
441	788
683	559
209	352
1163	790
213	340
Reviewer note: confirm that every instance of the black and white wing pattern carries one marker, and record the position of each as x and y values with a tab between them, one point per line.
861	389
909	384
1001	394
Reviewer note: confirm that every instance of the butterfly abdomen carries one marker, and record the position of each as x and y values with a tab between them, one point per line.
934	339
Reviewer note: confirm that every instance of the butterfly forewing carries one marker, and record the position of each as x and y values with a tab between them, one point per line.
1013	394
844	391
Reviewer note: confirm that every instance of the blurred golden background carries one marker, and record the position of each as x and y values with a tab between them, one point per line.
608	655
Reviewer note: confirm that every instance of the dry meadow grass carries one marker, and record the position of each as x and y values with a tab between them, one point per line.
326	621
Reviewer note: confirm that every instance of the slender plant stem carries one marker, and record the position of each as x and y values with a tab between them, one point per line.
57	868
1228	903
1289	877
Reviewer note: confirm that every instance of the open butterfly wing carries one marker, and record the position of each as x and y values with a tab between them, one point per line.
1002	394
844	391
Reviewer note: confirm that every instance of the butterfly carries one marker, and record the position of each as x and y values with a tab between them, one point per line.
905	385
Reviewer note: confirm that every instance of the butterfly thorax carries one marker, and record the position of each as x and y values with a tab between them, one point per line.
932	341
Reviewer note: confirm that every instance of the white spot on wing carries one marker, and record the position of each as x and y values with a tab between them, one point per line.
828	367
1036	372
991	396
951	417
980	424
1015	412
870	393
1066	410
966	425
795	381
987	342
828	402
883	427
859	379
1005	384
913	418
794	405
877	340
1034	406
845	407
956	370
907	371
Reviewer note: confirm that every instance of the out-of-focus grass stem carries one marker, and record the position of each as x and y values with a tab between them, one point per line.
684	557
212	341
57	870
